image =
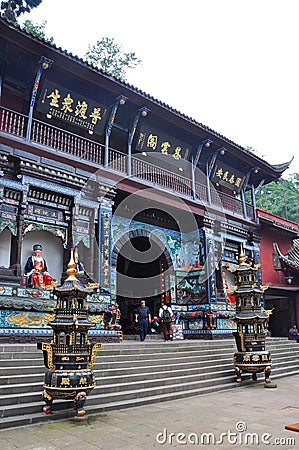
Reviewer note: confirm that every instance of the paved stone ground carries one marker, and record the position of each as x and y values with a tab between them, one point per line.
263	412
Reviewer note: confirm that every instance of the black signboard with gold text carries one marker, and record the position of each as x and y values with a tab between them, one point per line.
227	176
151	139
59	102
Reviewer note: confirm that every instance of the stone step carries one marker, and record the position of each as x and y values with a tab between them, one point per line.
38	355
102	359
126	347
8	374
105	363
104	392
68	411
98	408
120	353
17	383
180	368
143	382
27	404
164	347
105	372
21	370
116	381
14	390
100	402
133	356
131	374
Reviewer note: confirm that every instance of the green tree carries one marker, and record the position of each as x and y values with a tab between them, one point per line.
37	30
281	198
13	8
108	56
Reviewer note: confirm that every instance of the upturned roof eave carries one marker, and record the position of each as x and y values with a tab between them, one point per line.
291	258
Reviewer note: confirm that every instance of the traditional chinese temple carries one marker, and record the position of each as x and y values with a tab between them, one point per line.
154	203
280	271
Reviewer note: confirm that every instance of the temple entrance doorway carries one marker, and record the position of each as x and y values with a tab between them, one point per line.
141	263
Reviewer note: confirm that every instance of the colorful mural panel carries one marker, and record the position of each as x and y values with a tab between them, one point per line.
186	251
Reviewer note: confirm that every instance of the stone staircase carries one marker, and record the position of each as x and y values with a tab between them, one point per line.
130	374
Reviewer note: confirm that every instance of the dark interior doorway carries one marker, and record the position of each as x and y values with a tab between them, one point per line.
142	279
280	321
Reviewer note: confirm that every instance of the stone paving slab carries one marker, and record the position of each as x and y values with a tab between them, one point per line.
248	417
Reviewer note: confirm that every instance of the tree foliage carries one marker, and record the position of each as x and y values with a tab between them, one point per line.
13	8
108	56
37	30
281	198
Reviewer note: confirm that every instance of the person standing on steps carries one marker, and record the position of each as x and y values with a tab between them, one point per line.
143	317
166	314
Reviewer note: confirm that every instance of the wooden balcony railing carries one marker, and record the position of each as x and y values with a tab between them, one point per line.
66	142
12	122
117	161
41	133
161	177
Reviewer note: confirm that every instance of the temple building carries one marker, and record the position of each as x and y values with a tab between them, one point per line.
154	203
280	271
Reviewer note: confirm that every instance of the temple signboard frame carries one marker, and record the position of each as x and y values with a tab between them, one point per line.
151	139
227	176
61	103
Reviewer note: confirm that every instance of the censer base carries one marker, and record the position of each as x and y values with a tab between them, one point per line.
68	385
254	363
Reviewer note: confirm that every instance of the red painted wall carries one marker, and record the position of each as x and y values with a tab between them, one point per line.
279	230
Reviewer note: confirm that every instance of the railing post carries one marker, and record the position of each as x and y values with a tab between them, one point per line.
208	184
193	167
141	112
253	202
243	203
194	162
44	64
121	100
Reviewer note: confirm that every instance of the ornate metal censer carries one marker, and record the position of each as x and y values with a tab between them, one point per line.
70	356
250	336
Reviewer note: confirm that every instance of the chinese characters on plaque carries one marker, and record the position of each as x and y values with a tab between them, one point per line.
228	177
153	140
105	224
59	102
37	210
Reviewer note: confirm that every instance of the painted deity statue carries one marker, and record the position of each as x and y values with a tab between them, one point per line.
36	271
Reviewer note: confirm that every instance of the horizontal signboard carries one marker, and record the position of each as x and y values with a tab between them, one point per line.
151	139
227	176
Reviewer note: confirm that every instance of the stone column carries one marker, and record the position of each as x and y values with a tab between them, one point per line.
15	255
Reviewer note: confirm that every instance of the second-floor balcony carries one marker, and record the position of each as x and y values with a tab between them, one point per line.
77	147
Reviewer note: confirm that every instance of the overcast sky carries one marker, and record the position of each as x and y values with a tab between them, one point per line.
231	65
